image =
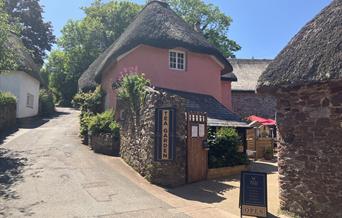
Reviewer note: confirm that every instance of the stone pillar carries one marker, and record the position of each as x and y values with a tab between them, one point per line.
138	142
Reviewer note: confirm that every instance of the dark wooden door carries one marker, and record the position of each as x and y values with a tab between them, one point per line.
197	155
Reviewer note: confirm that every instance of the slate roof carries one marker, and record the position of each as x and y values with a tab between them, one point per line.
218	115
314	54
247	72
158	26
24	58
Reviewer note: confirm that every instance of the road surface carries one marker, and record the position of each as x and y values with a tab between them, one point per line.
46	172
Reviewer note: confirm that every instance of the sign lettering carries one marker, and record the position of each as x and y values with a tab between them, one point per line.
164	134
253	194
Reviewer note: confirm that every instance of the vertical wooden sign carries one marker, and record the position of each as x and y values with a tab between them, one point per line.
165	133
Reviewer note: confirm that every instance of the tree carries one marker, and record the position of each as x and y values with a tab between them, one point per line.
213	23
36	34
82	41
61	82
7	60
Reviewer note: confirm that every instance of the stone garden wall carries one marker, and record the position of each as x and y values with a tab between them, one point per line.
310	156
7	117
138	142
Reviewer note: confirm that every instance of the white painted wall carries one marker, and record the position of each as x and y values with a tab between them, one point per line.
20	84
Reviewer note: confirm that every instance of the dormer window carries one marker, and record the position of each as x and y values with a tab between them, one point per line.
177	60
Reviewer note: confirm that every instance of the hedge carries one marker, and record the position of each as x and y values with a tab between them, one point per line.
7	98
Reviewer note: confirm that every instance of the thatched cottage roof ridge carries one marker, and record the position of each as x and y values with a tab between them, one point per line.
313	55
247	72
158	26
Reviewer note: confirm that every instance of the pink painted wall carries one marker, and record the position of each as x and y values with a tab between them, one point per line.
202	74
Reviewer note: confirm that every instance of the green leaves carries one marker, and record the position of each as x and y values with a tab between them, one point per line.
132	90
7	98
83	41
7	55
104	123
223	148
90	101
36	34
213	23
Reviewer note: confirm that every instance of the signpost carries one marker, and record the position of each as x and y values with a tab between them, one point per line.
165	133
253	194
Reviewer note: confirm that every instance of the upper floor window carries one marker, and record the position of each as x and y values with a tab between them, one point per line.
177	60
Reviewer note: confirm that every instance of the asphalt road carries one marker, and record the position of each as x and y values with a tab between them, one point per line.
46	172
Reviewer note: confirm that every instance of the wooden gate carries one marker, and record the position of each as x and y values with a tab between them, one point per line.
197	153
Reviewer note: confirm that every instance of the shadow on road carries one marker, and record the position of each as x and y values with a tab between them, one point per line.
264	167
11	169
35	122
210	191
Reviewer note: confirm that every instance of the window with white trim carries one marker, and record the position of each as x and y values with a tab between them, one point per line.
29	100
177	60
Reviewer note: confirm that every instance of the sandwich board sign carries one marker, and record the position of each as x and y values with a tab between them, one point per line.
253	194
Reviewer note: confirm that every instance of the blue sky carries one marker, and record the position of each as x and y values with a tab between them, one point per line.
261	27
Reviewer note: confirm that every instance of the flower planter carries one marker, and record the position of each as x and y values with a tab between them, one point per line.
105	143
216	173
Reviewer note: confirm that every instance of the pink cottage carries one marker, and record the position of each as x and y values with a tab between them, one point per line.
172	55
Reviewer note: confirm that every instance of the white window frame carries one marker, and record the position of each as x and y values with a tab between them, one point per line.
29	100
184	60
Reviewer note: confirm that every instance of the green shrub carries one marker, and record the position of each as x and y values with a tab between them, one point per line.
132	91
84	123
89	101
104	123
46	103
7	98
223	149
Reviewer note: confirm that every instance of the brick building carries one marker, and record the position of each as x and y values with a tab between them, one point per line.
306	79
245	101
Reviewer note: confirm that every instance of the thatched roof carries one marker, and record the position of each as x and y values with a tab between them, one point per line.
158	26
24	59
247	72
218	115
313	55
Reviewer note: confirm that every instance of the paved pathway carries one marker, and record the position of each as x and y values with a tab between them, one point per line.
46	172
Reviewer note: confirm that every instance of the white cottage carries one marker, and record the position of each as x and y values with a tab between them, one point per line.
24	83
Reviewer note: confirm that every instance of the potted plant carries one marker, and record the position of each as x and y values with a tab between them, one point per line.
104	133
268	153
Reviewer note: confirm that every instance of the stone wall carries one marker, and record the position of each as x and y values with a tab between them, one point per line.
247	103
7	117
310	157
138	142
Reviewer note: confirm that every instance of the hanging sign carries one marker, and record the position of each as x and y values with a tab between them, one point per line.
253	194
165	132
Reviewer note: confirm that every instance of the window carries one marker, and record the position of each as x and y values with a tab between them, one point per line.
177	60
29	100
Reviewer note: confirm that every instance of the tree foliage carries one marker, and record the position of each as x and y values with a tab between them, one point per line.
132	91
36	34
213	23
223	148
7	60
82	41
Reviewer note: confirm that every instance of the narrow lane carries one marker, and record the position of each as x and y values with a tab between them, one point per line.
47	172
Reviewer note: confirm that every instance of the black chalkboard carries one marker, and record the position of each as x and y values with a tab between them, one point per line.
253	194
